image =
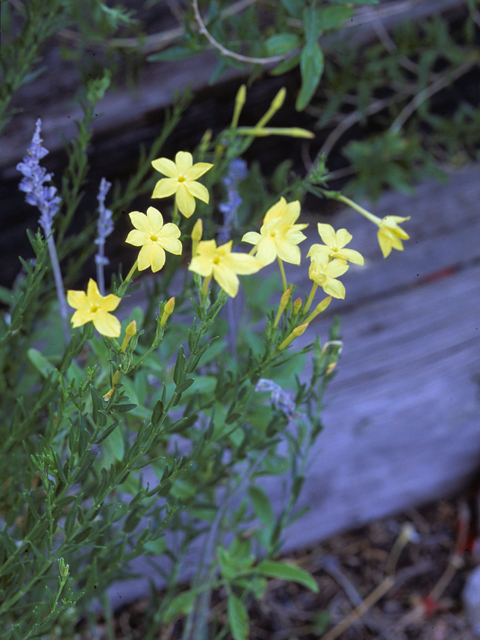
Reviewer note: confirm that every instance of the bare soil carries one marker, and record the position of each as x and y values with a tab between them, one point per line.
422	601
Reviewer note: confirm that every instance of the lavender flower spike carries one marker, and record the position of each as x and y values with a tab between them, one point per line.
236	171
104	229
45	199
34	177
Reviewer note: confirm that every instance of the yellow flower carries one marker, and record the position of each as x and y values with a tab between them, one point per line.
223	265
92	307
334	245
279	236
390	235
181	181
324	273
153	236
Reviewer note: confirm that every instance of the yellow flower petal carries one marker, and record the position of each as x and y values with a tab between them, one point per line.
80	318
275	211
185	201
157	256
140	221
110	302
198	170
107	325
197	190
351	255
165	187
326	233
202	265
288	252
241	263
155	219
334	288
137	238
76	299
252	237
93	294
227	279
267	251
343	238
166	166
144	256
172	245
184	161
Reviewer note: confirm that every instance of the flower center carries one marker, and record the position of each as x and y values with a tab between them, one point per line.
181	178
216	260
94	308
153	238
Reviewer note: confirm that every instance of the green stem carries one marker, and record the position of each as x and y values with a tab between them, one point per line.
126	282
282	271
176	216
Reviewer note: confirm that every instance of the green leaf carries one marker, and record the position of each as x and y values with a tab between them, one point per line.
237	618
282	43
182	604
174	53
286	65
331	17
97	408
123	408
284	571
262	506
294	7
41	364
106	432
179	365
311	67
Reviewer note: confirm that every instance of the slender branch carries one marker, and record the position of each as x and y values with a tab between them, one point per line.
227	52
428	92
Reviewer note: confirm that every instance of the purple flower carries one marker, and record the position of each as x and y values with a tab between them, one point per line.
105	224
34	177
236	172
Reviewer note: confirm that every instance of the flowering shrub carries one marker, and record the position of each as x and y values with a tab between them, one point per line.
147	433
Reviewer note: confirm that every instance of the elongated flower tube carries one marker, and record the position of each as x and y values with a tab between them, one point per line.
92	307
279	235
181	180
223	265
154	237
389	235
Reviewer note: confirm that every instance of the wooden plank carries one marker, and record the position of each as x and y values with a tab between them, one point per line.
402	422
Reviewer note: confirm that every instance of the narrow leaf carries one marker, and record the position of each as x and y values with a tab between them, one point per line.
284	571
237	618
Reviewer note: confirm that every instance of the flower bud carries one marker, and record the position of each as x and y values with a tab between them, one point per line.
283	303
295	333
167	311
197	233
130	331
